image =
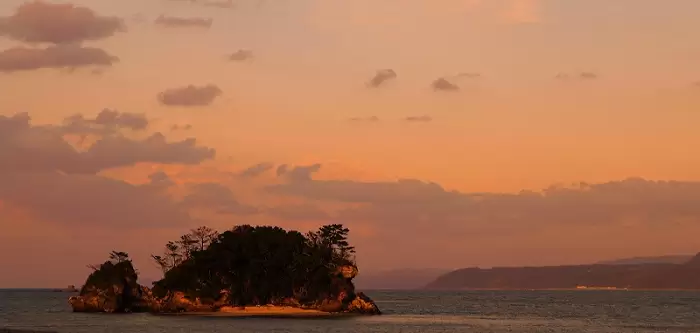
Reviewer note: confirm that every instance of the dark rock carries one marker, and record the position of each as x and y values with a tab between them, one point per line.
110	288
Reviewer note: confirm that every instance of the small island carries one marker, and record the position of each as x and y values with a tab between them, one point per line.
245	271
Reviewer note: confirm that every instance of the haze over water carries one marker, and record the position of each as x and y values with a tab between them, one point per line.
405	312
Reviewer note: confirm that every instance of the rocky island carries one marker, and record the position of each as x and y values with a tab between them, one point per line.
245	271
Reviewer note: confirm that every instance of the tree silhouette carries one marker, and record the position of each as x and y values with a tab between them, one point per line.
118	256
203	236
184	248
335	236
256	265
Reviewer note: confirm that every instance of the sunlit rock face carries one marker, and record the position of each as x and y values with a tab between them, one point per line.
348	271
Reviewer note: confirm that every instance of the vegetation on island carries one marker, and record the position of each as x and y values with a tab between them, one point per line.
113	285
245	266
255	265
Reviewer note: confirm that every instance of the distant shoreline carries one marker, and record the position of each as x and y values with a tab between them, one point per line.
559	289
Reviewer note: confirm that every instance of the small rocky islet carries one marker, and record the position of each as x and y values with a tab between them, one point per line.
245	271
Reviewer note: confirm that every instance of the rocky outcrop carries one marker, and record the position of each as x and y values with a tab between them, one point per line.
345	299
111	288
362	304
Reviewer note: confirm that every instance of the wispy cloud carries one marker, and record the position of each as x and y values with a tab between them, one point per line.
419	119
69	56
442	84
578	76
241	55
190	95
381	77
370	119
171	21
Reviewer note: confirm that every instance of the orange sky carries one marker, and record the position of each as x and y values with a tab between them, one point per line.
567	92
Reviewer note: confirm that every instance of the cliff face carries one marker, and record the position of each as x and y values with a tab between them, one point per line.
643	276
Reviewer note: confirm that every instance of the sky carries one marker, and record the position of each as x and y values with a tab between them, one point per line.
444	134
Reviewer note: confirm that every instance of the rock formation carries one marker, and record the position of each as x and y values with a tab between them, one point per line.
112	288
243	267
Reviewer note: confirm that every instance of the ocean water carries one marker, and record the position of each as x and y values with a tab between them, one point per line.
405	312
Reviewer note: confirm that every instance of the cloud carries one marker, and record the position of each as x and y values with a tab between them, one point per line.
588	75
370	119
89	200
217	4
442	84
241	55
25	147
122	151
415	205
216	197
256	170
42	22
419	119
43	174
562	76
281	170
160	180
381	77
185	127
298	173
106	122
170	21
210	3
190	95
579	76
55	57
302	212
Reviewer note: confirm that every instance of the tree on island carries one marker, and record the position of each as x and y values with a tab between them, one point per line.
182	249
256	265
119	256
118	271
246	265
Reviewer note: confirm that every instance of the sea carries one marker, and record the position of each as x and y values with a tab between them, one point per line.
596	311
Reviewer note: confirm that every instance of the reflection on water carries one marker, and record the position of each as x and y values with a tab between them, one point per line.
405	312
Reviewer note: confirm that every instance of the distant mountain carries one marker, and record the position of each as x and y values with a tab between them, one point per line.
671	259
623	276
398	279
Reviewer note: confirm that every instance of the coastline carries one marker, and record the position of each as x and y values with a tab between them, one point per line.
264	311
564	289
